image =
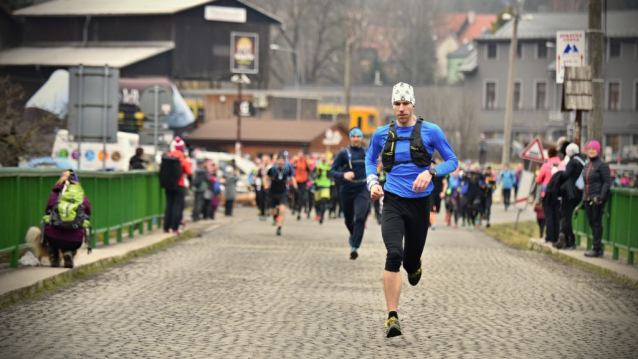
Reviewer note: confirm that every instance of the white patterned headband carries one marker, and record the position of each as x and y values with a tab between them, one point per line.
403	92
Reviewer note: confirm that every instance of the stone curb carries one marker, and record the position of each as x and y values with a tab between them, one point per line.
624	273
20	293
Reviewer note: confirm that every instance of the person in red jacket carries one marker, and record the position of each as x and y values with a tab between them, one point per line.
57	240
175	198
550	207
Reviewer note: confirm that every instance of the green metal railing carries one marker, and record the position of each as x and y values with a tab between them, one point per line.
620	223
118	200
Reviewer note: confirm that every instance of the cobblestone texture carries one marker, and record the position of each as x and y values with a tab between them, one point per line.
242	292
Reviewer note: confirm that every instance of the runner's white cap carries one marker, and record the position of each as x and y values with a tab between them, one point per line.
403	92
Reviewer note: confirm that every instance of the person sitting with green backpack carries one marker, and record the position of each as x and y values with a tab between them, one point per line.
66	219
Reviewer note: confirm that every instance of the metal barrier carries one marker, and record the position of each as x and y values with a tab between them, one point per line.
620	223
118	200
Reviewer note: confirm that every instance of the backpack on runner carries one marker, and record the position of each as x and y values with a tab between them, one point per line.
170	172
68	212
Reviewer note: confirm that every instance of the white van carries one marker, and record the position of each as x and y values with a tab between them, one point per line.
117	154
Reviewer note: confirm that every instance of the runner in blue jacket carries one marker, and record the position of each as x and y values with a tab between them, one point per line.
406	147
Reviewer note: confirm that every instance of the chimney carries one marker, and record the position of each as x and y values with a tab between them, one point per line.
471	16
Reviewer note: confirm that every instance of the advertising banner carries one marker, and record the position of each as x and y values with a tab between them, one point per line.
244	53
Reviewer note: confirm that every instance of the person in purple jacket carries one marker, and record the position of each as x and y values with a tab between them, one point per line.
57	240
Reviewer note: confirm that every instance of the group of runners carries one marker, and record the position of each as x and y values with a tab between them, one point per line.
333	189
467	194
396	172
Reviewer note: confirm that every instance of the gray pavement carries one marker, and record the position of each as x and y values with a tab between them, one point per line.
240	291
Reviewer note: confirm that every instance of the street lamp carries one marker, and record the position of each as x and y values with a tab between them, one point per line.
239	80
276	47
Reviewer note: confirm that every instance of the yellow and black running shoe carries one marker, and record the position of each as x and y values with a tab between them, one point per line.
392	327
415	277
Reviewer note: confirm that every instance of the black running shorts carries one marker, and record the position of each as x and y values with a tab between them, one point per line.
277	199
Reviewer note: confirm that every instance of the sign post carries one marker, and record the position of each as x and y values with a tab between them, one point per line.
534	153
570	52
156	102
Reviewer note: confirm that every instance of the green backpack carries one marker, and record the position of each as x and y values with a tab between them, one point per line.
68	212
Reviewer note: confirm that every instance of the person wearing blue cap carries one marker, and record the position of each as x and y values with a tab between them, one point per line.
406	147
349	164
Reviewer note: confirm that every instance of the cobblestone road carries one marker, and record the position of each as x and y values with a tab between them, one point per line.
240	291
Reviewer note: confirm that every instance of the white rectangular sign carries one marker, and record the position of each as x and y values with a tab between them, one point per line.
224	13
570	52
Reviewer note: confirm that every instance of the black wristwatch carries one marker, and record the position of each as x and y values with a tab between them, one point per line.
432	171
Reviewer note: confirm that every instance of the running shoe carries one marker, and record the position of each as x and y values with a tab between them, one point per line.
354	255
279	231
68	259
392	327
433	228
415	277
299	216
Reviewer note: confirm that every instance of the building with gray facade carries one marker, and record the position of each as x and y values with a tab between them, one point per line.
537	96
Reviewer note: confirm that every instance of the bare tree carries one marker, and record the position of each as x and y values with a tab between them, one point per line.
453	109
314	29
18	139
413	48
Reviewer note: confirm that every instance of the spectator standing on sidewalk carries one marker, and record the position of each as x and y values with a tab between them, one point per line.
540	218
507	178
230	190
201	187
550	208
595	194
571	195
174	166
517	179
138	162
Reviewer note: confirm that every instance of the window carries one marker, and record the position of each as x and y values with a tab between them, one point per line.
492	51
612	141
613	96
517	96
541	95
614	48
541	50
490	95
519	50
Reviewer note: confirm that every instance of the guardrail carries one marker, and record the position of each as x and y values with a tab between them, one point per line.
620	223
118	200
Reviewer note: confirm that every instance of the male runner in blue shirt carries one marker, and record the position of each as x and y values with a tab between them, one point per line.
406	147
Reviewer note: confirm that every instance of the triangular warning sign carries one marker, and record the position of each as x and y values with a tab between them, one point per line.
533	151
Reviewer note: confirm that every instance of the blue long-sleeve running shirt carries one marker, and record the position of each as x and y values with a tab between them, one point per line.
400	180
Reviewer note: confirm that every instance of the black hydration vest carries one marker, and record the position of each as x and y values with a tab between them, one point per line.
418	154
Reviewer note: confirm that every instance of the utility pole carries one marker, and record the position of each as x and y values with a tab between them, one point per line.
509	105
595	44
346	79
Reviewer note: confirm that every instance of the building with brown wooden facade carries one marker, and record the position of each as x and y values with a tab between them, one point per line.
174	39
260	137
